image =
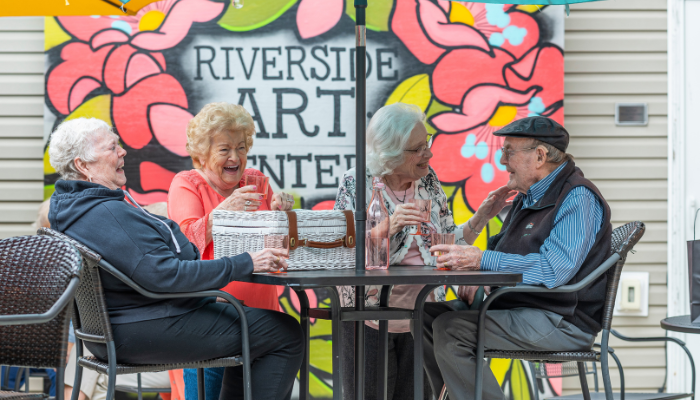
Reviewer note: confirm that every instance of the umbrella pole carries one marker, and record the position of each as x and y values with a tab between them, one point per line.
360	182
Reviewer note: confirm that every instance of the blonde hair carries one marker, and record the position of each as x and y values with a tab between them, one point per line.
215	118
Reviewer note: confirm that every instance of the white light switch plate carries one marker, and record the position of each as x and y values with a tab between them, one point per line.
643	278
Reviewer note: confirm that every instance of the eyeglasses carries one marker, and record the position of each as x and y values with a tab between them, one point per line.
423	149
508	153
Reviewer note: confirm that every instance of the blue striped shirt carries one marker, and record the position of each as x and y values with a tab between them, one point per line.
576	225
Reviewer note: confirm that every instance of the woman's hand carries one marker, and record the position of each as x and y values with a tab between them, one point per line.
242	199
404	214
492	205
458	258
269	260
282	201
467	293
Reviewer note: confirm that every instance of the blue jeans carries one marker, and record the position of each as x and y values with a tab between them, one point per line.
212	383
13	377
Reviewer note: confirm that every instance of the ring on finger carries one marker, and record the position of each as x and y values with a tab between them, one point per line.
247	202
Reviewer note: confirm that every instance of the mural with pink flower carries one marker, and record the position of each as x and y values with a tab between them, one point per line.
471	67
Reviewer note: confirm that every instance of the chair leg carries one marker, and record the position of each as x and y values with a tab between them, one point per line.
200	384
60	385
604	365
78	370
622	376
112	370
584	381
443	393
535	386
595	377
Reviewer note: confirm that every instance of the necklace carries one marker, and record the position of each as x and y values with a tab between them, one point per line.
397	197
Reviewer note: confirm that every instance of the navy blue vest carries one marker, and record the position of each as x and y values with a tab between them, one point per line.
525	230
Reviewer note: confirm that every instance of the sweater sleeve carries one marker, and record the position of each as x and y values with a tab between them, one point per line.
186	209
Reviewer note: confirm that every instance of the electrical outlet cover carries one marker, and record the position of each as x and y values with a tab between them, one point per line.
643	278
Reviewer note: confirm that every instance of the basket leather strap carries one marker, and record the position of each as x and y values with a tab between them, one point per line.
350	238
324	245
293	231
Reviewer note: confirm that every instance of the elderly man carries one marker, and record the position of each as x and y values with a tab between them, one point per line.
557	231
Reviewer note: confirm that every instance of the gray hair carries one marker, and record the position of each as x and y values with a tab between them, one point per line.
387	135
554	155
75	139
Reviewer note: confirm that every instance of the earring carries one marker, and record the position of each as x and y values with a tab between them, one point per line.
90	179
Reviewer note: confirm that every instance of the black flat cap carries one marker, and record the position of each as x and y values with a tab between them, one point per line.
541	128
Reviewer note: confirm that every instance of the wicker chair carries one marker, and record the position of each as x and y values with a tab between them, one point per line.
38	278
92	324
623	240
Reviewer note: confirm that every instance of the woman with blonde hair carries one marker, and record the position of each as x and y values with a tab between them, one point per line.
218	140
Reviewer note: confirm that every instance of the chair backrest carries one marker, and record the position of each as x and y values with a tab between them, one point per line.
623	240
92	322
34	272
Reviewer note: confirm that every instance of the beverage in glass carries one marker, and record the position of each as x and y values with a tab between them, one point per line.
377	234
278	242
441	238
262	182
424	207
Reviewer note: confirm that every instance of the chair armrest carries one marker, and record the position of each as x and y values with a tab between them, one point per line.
206	293
56	308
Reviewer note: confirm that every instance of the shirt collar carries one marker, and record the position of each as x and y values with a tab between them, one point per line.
538	190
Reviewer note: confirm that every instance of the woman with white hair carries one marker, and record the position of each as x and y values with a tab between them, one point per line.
90	206
398	151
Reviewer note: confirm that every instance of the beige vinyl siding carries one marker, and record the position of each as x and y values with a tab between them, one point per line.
615	51
21	123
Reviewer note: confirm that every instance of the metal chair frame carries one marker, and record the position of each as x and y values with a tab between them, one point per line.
72	257
90	300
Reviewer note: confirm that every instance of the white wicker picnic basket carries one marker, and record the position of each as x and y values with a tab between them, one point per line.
317	239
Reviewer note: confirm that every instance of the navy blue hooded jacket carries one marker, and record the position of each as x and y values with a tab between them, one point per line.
142	248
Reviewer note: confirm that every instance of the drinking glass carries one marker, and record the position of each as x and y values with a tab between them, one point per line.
424	207
278	242
261	182
441	238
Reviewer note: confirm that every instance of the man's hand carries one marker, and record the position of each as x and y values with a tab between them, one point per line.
467	293
458	258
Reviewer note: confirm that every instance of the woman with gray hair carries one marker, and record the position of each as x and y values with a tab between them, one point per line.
398	152
90	206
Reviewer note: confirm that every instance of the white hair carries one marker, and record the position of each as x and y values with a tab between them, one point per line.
387	136
75	139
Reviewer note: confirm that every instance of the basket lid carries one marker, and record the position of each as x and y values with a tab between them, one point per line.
305	218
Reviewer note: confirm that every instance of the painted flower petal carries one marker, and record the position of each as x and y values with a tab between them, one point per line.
449	163
462	69
140	66
130	110
177	24
521	23
115	68
308	21
407	27
446	34
111	36
479	105
84	28
169	125
155	177
542	66
79	62
80	91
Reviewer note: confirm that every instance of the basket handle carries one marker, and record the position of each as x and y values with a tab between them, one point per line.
293	231
348	241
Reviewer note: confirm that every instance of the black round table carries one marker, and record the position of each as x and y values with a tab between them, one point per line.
680	323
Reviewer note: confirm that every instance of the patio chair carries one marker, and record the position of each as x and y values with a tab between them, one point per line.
92	324
623	240
39	277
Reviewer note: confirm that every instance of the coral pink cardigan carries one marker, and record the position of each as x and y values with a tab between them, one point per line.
190	201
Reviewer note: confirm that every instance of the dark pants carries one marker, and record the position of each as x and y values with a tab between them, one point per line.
213	331
450	335
400	361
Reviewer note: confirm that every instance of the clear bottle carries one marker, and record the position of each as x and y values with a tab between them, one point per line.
377	233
